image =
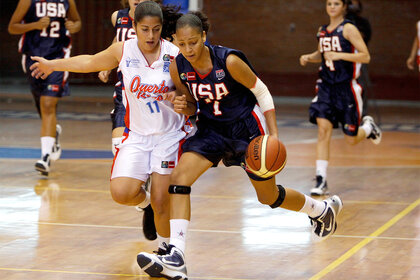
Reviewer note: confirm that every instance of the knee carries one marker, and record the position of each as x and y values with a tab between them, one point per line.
48	107
323	133
351	140
120	195
177	177
160	205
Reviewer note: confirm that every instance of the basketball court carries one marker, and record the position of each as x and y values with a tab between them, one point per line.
67	226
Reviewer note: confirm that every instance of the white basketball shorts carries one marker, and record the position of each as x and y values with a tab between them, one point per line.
139	156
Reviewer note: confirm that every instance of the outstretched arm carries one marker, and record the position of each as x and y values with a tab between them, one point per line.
243	74
184	102
105	60
16	26
411	61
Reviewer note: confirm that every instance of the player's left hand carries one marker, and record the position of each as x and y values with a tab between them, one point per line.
332	56
70	26
42	68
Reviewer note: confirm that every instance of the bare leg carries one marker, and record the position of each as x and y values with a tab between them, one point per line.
48	115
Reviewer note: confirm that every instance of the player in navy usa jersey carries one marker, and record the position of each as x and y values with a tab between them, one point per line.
341	50
227	90
45	27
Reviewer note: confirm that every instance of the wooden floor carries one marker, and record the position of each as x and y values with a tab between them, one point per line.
66	226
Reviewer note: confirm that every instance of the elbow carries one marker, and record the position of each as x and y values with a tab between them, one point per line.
367	59
11	30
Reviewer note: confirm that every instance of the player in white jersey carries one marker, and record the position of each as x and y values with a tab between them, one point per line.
154	131
414	57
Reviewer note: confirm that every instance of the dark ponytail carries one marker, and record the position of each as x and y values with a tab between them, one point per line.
196	20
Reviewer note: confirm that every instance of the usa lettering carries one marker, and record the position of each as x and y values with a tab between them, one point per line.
125	33
328	44
50	9
209	94
146	90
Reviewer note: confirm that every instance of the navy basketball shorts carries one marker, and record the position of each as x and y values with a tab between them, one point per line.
339	103
118	113
55	85
228	142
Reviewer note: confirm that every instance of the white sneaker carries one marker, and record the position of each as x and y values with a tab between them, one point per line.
56	150
170	266
321	187
43	165
325	224
376	134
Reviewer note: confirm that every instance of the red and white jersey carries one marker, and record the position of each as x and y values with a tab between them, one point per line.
146	111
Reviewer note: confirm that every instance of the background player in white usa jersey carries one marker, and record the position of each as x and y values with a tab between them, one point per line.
154	131
45	27
341	49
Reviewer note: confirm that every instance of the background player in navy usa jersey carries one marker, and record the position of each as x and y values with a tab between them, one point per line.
45	27
154	131
341	49
122	20
222	81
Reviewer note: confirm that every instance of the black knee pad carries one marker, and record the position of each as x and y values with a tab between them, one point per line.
280	199
177	189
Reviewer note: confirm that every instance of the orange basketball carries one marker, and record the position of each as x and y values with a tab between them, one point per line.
265	156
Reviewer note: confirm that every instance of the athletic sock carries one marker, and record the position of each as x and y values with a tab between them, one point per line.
47	143
145	202
179	229
161	240
115	142
367	127
321	168
313	207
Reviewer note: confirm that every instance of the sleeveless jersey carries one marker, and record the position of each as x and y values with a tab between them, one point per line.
49	42
123	31
146	111
340	70
220	98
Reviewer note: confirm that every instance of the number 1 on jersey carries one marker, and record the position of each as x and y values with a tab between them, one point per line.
151	107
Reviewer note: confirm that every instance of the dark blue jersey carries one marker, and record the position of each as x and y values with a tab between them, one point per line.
123	31
340	70
124	26
220	98
49	42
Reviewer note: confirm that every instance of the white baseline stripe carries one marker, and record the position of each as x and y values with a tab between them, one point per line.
199	230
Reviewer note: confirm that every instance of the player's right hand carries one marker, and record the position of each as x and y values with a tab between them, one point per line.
180	103
104	76
42	68
43	22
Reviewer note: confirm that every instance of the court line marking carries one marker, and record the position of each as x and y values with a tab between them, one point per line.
207	196
107	274
199	230
365	241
